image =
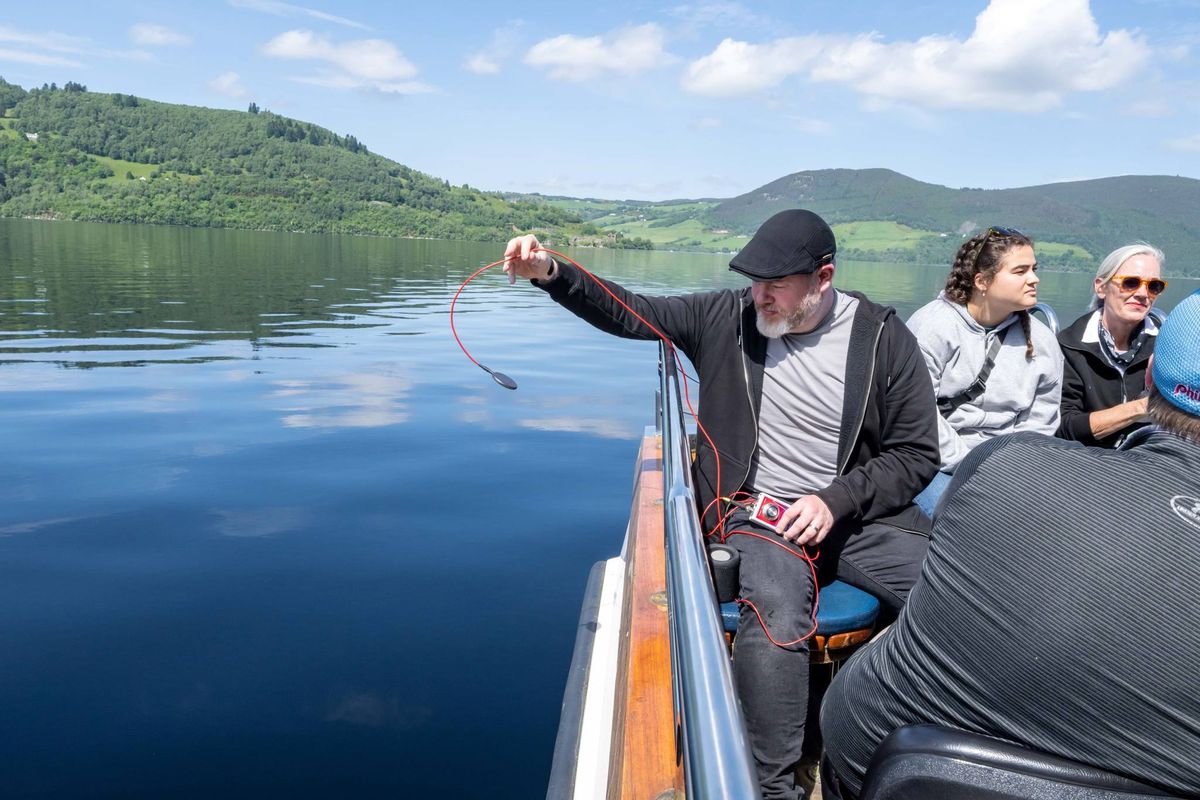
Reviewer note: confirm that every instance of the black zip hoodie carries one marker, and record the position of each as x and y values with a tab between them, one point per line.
1090	383
888	447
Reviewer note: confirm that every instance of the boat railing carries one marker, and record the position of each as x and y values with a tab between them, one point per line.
711	733
1046	310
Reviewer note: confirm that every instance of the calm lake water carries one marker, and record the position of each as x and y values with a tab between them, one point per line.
264	531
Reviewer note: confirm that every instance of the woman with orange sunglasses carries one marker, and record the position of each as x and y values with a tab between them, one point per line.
1107	350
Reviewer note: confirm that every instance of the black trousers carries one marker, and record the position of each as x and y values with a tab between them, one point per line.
773	681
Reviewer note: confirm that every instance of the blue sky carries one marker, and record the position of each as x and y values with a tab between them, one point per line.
657	100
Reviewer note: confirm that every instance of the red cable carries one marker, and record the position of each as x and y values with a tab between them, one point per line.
812	566
671	345
687	399
462	286
687	396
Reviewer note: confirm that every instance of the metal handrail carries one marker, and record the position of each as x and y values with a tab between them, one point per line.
1048	311
716	754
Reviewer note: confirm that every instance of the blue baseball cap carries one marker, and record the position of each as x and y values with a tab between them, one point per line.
1176	369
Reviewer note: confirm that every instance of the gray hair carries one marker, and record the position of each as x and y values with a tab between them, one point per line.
1113	261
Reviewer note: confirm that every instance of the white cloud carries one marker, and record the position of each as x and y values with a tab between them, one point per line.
627	51
58	42
1023	55
707	123
364	63
151	35
53	42
577	186
229	84
505	42
740	67
481	64
128	55
288	10
48	49
717	14
1150	107
25	57
816	127
1184	144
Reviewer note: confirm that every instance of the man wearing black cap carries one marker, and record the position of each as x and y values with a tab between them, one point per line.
815	396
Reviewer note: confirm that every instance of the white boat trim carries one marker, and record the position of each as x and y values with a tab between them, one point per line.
595	738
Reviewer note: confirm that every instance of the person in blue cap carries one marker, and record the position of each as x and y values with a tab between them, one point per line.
1049	563
815	396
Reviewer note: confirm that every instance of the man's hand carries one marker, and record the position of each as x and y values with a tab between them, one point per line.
525	260
807	521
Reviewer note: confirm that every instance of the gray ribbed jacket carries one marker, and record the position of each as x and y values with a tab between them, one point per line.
1057	609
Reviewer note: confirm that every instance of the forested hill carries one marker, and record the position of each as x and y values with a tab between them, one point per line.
67	153
1095	215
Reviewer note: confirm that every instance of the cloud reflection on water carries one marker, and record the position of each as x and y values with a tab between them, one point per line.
374	710
35	525
594	426
255	522
355	400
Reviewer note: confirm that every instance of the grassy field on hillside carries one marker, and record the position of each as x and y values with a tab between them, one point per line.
120	167
690	234
877	235
686	235
1057	248
874	236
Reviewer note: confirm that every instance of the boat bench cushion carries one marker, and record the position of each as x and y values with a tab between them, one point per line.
920	761
841	608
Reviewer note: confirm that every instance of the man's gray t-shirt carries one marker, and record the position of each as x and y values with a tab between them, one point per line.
800	419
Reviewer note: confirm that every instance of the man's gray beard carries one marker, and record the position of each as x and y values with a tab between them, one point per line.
781	327
776	329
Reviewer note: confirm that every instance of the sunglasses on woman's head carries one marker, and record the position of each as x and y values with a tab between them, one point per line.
995	230
1131	283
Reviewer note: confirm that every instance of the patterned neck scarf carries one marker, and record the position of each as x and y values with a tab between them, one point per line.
1108	345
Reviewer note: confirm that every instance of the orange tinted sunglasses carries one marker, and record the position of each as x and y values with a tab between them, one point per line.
1131	283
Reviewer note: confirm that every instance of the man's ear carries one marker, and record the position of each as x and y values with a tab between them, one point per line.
825	275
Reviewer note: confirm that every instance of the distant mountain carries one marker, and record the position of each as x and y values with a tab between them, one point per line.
1095	215
67	153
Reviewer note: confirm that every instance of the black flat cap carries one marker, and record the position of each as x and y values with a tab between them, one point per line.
791	242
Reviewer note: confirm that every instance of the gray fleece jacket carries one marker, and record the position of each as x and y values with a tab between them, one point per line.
1021	395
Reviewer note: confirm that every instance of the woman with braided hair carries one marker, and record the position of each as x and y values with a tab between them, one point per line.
995	369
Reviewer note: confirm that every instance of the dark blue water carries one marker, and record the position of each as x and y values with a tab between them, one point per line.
265	532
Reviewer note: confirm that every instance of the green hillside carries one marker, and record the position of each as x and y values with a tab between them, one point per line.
1080	221
67	153
72	154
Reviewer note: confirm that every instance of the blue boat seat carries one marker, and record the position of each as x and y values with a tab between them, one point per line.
845	617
